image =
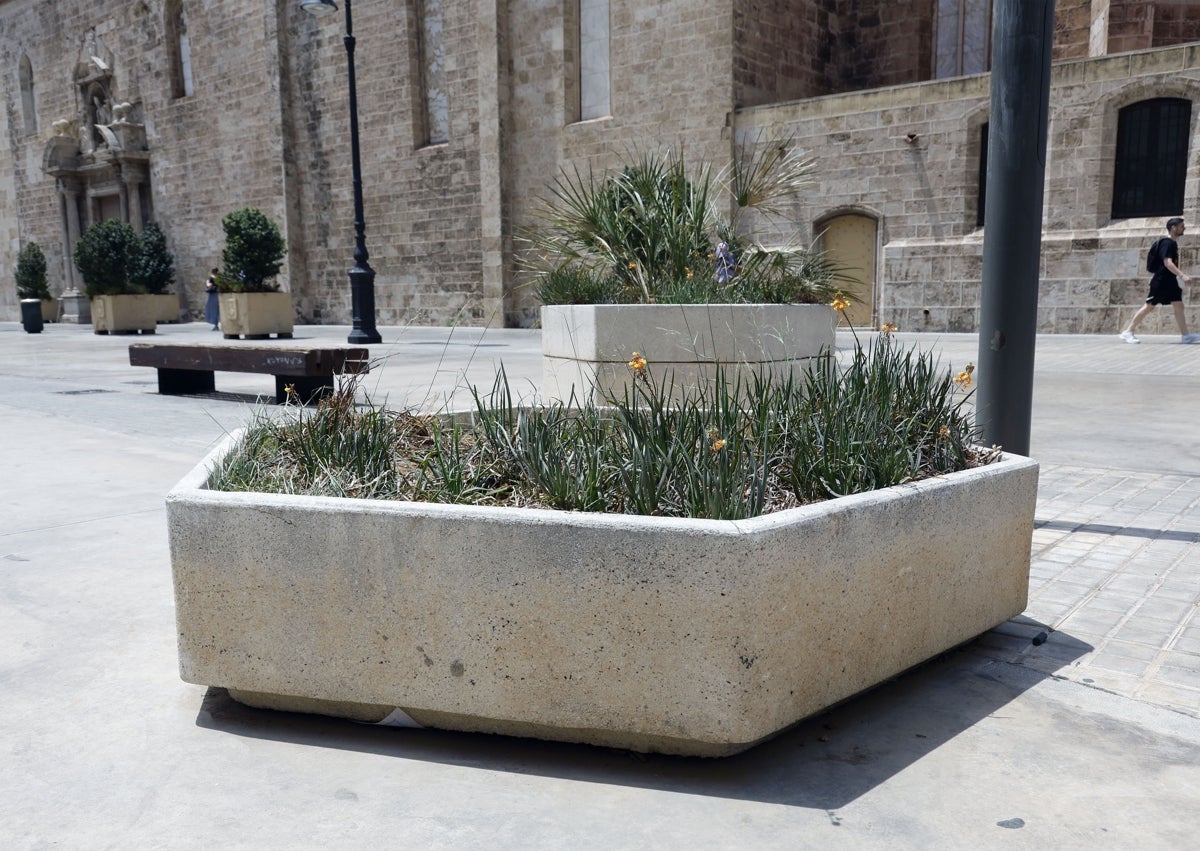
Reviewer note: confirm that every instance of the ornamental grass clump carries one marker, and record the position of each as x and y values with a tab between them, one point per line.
729	449
656	233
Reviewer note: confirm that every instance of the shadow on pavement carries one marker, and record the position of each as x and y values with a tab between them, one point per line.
1129	531
825	762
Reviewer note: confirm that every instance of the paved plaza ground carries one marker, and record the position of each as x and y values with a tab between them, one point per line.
1088	740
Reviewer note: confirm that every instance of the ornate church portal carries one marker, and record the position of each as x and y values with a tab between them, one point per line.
101	165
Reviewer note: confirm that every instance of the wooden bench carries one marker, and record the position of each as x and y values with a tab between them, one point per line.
188	370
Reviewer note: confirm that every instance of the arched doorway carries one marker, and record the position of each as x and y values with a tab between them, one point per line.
850	242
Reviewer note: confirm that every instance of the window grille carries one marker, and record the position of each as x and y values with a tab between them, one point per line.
1151	162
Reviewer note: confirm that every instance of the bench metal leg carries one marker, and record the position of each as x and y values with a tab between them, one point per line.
309	390
184	382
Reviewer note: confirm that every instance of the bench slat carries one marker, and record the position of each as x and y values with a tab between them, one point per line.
272	360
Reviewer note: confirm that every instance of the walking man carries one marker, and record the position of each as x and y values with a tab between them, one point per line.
1163	260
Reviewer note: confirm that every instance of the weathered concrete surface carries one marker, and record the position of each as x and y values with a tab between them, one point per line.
693	637
586	348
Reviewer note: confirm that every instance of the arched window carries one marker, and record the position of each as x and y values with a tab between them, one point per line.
28	103
179	50
1151	162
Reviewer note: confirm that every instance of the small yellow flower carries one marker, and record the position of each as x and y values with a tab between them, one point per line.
963	379
632	265
717	445
710	256
944	431
637	363
840	303
689	271
889	328
289	389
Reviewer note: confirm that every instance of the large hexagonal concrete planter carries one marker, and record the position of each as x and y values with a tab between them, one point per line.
669	635
586	348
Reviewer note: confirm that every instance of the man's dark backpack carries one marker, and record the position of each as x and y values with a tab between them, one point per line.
1154	263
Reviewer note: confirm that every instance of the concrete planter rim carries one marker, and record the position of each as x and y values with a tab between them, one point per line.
194	485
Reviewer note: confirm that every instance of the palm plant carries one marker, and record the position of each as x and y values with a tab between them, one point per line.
655	233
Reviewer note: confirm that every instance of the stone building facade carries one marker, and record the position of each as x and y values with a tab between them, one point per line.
179	111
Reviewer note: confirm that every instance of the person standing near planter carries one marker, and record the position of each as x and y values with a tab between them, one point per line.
212	307
1165	288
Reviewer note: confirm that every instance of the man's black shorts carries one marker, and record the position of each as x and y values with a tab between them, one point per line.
1164	292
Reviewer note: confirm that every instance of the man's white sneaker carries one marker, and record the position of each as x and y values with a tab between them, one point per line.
1128	337
1190	338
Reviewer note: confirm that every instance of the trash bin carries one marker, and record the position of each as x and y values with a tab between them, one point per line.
31	315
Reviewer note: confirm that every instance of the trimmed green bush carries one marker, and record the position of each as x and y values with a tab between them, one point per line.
253	253
31	273
153	268
105	255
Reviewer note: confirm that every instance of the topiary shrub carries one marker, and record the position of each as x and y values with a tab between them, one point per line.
253	253
31	273
105	255
153	266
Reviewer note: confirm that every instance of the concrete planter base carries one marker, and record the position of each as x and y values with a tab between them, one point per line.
653	634
256	316
124	314
166	307
586	348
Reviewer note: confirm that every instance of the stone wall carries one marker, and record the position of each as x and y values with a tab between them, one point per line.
924	194
268	126
1073	28
421	201
1142	24
210	153
671	86
884	42
783	50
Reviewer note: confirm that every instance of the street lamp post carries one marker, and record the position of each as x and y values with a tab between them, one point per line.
362	276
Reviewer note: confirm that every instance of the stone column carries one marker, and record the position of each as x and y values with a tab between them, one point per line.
123	196
76	308
131	201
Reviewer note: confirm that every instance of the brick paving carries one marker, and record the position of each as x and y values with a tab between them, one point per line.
1115	567
1115	572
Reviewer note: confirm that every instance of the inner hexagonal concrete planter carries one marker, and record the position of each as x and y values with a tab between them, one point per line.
586	348
654	634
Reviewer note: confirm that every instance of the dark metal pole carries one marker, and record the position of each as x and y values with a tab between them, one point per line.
362	276
1016	170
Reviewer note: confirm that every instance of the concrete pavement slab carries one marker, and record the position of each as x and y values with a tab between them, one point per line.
1090	739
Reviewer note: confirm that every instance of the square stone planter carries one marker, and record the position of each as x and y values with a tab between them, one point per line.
256	316
124	314
49	310
654	634
586	348
166	307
